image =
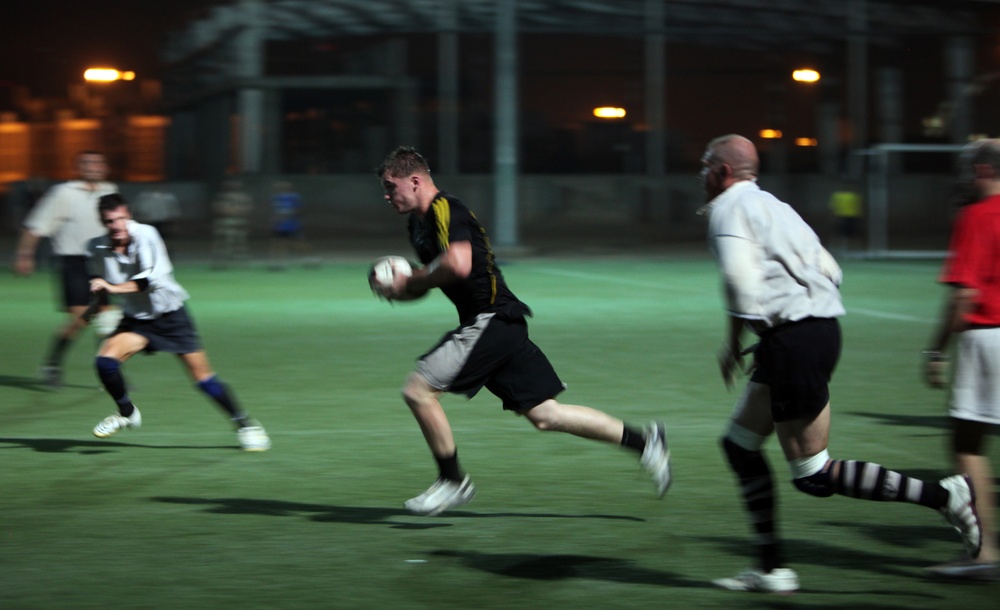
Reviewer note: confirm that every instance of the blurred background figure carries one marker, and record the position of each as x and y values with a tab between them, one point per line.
158	207
287	236
231	230
67	216
845	203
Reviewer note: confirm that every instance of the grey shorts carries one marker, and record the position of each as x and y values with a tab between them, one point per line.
496	354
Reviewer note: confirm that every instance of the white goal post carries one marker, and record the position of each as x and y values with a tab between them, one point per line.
928	191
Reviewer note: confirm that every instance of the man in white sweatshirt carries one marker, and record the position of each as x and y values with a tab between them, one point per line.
782	285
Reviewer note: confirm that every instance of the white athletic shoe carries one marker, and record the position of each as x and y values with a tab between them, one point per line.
961	513
656	457
254	438
111	424
778	580
441	496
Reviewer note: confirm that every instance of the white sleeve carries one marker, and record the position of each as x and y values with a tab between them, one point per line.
43	219
741	264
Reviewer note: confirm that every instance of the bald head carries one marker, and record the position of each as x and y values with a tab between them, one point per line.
738	153
727	160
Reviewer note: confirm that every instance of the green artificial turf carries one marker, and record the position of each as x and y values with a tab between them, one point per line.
174	515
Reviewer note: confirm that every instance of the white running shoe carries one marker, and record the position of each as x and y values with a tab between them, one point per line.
441	496
254	438
111	424
778	580
961	513
656	457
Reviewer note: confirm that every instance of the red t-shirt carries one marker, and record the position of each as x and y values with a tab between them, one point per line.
974	258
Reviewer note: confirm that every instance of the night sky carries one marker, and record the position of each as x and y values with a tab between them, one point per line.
47	44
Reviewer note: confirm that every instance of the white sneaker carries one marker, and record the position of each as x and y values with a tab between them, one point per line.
656	457
254	438
113	423
961	513
441	496
778	580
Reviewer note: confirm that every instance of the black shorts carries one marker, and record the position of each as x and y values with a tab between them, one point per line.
172	332
73	280
796	360
496	354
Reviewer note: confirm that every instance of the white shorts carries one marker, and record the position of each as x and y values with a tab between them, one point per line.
975	387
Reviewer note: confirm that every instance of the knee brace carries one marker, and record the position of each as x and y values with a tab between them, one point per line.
810	475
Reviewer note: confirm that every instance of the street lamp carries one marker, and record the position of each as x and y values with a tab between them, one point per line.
609	112
106	75
805	75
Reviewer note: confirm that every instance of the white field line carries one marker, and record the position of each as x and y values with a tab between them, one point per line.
888	316
666	286
582	275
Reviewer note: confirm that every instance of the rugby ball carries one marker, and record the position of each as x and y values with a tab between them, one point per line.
385	269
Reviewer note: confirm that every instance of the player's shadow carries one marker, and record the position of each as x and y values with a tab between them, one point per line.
935	422
562	567
820	554
88	447
361	515
32	384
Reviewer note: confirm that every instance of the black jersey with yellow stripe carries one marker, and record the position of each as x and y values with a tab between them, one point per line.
484	290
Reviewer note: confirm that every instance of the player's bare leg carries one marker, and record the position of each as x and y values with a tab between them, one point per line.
804	438
426	408
577	420
590	423
453	487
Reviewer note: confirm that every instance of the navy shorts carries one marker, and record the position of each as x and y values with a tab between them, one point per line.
496	354
74	280
172	332
796	360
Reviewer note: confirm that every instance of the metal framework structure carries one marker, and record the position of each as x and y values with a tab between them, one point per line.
206	50
223	53
813	25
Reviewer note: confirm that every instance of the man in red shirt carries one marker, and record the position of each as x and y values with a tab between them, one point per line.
971	314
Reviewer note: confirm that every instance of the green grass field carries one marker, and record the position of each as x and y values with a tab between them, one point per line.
173	515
